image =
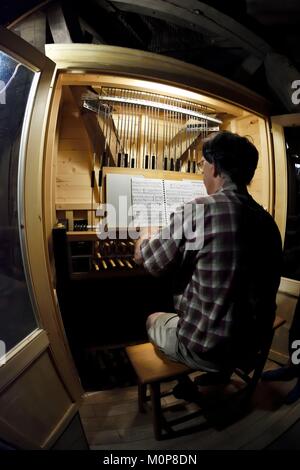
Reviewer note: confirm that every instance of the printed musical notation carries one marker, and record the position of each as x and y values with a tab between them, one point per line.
148	202
178	193
154	200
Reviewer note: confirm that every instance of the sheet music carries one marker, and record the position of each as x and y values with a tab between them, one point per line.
148	203
178	193
198	188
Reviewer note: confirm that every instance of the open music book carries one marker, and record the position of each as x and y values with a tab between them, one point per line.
153	200
129	197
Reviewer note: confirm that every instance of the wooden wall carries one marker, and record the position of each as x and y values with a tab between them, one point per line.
74	157
255	129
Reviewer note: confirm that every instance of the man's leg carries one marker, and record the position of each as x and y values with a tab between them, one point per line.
162	332
162	329
151	319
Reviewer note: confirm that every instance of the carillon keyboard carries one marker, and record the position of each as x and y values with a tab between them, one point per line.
113	255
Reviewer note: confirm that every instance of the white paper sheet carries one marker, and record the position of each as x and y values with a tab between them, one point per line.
148	203
178	193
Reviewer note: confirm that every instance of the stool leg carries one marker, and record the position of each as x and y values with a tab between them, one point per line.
156	410
142	392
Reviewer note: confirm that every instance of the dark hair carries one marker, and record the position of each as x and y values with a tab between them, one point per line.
233	155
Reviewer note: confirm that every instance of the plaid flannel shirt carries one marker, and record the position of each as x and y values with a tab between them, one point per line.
234	275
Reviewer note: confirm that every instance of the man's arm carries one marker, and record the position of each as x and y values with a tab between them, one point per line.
145	234
163	249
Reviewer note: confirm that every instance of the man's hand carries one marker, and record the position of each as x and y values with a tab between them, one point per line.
145	234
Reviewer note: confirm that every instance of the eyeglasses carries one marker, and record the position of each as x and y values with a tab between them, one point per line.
200	166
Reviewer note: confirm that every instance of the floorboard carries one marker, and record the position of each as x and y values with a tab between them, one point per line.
112	421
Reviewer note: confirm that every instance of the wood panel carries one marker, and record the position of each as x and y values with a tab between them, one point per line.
114	81
73	438
97	126
166	70
35	406
287	120
74	157
281	178
36	402
159	174
254	128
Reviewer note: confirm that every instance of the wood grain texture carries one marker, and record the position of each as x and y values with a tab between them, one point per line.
112	422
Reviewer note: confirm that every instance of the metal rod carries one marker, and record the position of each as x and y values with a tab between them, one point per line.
167	139
171	165
164	158
146	156
136	135
126	134
120	154
117	133
144	120
131	132
102	160
151	130
181	135
109	153
134	138
148	103
157	137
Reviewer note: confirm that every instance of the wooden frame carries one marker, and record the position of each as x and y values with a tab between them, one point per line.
47	344
280	177
82	58
280	167
95	65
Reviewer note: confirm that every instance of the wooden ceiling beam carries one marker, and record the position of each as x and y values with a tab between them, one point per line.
58	25
32	29
198	16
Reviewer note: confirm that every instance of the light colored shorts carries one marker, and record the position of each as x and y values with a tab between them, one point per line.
163	334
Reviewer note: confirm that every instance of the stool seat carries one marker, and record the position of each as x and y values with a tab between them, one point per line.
152	366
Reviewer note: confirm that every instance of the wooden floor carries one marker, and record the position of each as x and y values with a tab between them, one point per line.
112	421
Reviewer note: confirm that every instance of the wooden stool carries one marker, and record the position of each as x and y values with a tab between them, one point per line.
152	368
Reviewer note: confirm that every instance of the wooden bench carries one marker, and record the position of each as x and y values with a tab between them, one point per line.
153	368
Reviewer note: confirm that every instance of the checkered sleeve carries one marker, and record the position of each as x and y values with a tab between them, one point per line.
164	248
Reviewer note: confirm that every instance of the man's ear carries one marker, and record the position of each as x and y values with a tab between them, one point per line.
215	171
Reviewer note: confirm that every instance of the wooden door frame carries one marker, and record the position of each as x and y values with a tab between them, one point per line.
289	289
280	167
49	334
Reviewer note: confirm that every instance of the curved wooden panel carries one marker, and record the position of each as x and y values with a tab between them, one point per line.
136	63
